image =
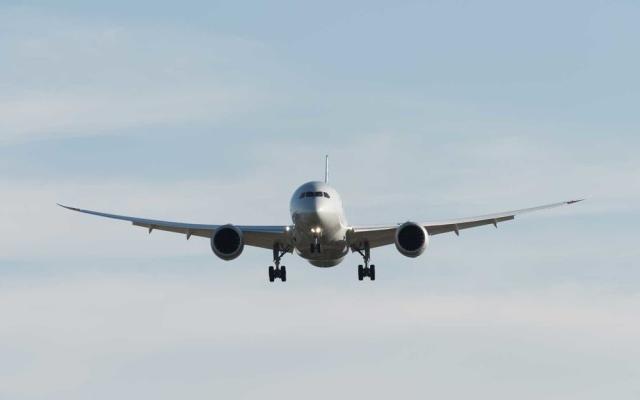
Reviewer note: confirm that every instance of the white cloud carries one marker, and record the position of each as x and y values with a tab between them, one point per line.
93	332
71	78
98	112
87	333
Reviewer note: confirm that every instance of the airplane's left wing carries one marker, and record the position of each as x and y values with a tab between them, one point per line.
257	236
378	236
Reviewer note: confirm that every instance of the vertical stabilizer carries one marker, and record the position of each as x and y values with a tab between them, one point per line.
326	169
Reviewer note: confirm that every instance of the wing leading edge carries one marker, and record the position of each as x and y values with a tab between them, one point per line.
385	235
257	236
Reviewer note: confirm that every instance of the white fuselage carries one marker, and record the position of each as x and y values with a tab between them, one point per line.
318	219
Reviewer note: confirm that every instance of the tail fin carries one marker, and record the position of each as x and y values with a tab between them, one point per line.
326	169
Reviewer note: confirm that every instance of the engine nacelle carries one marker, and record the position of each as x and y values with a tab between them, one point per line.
227	242
411	239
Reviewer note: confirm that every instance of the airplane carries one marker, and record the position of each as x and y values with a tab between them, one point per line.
319	232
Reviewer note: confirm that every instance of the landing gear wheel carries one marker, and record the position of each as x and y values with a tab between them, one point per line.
278	272
366	270
312	248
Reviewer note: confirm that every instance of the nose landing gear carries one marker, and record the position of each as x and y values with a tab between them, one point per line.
278	272
315	246
366	270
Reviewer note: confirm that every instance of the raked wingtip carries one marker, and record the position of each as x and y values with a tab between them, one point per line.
67	207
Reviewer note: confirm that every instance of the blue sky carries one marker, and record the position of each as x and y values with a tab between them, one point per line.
215	112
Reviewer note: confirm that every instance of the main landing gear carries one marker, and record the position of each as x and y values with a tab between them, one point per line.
278	272
366	270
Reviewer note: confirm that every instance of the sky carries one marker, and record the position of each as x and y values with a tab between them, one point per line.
215	112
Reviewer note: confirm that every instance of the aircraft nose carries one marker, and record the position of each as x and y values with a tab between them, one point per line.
317	204
315	211
321	205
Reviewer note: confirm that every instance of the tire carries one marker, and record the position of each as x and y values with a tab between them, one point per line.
312	248
360	273
283	273
272	275
372	272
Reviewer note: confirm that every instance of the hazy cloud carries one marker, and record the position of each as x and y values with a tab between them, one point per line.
214	113
68	77
163	336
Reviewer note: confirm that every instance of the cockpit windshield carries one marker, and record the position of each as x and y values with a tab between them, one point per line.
314	194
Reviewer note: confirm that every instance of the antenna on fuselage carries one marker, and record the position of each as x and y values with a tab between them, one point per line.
326	169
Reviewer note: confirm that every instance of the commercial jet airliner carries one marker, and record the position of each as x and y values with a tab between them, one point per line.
320	233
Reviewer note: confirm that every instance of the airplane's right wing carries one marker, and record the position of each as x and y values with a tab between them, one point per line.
257	236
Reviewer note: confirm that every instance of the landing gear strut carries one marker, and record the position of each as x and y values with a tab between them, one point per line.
278	272
366	270
315	246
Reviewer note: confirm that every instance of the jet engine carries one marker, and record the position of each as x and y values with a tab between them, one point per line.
411	239
227	242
